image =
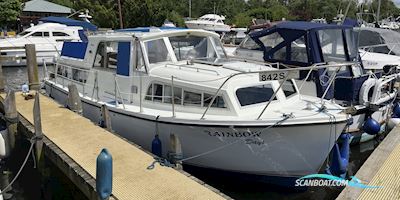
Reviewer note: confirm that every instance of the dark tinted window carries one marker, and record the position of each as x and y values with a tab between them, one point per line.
37	34
59	34
254	94
288	88
46	34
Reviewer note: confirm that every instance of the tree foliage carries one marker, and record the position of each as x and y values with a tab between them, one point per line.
237	12
9	11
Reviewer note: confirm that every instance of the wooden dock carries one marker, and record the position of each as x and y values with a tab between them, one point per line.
74	143
381	169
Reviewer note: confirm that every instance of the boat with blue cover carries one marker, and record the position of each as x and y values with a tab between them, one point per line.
297	44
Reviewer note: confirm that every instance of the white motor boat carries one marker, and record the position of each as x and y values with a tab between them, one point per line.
226	113
378	47
301	44
210	22
48	39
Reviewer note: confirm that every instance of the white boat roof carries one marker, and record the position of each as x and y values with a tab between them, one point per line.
154	35
213	16
51	26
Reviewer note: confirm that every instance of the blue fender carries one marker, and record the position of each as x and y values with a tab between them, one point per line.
104	174
340	156
371	126
156	146
396	111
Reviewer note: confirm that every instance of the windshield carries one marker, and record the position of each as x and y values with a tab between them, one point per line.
380	41
331	41
24	33
196	47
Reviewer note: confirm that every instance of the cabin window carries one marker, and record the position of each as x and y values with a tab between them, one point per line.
191	98
250	44
288	88
331	41
106	55
139	61
272	40
24	33
37	34
59	34
254	94
218	102
157	51
157	92
219	21
46	34
351	44
298	50
168	95
163	93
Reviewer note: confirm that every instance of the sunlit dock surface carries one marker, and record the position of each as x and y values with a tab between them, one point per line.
81	140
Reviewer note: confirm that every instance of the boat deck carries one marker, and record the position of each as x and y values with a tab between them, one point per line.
82	141
381	169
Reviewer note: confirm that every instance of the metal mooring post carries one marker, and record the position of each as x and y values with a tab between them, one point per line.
11	116
31	64
38	126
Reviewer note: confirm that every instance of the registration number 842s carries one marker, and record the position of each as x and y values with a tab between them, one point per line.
278	76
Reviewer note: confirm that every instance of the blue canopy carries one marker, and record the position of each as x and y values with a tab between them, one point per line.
70	22
293	31
301	44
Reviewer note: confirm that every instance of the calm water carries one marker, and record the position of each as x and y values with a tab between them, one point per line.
31	185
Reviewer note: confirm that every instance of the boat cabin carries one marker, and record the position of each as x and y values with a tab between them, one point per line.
154	69
58	32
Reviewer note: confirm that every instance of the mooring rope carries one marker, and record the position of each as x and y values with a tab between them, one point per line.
32	141
165	162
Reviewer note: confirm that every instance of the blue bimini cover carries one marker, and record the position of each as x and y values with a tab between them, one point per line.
123	58
74	49
302	44
70	22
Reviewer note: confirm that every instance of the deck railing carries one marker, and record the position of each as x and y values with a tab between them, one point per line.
118	94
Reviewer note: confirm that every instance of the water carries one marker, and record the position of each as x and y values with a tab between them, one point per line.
54	185
239	189
51	183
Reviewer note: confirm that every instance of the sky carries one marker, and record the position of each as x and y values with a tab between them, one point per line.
397	2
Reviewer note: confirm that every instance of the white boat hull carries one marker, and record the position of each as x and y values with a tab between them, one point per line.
283	151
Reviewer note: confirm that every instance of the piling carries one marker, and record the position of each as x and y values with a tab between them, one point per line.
74	101
11	116
31	64
106	120
2	81
37	120
175	152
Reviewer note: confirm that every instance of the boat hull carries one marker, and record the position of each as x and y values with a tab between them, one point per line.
291	150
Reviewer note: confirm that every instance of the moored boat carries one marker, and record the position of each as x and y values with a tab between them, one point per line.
302	44
227	114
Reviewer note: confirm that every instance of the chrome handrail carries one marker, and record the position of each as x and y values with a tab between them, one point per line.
312	67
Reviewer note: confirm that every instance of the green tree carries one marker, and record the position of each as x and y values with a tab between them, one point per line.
9	12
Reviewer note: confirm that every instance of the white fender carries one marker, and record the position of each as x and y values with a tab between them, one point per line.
365	88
